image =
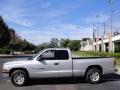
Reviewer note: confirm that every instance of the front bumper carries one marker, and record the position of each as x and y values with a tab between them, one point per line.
5	73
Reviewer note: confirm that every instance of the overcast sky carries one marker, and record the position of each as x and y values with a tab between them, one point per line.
40	20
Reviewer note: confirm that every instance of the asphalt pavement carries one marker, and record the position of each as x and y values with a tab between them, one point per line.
109	82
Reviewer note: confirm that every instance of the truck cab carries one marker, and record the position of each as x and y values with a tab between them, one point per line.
52	63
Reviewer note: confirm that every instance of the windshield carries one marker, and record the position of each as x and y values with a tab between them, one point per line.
34	55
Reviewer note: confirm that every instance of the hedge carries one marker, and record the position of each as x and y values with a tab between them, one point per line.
116	55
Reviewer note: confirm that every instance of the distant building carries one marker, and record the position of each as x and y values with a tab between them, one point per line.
86	45
109	44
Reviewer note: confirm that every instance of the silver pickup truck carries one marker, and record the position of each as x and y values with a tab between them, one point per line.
58	62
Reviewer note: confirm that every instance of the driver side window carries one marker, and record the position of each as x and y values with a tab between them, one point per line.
48	55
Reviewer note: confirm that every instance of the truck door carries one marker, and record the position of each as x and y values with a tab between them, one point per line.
54	63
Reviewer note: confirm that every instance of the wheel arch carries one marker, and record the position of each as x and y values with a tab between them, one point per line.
94	66
14	69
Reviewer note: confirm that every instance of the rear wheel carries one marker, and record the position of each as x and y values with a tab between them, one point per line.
19	78
93	75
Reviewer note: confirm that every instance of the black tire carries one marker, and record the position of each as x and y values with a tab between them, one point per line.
23	75
91	79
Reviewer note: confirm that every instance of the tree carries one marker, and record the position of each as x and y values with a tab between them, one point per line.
54	43
24	45
10	40
4	33
43	46
74	45
64	42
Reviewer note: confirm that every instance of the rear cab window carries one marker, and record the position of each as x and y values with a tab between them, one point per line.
61	55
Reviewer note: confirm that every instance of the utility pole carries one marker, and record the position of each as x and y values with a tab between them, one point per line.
94	34
97	16
111	27
94	37
111	17
104	28
97	38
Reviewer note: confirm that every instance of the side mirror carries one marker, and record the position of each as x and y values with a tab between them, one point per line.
40	58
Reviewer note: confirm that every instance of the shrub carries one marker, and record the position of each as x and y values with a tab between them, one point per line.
2	51
116	55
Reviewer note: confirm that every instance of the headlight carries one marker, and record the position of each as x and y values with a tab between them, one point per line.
4	70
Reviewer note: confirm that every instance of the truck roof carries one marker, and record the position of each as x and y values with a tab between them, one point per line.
57	49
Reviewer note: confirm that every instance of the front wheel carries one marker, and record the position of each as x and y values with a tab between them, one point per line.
93	75
19	78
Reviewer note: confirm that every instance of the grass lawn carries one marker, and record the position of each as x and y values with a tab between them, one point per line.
85	54
118	62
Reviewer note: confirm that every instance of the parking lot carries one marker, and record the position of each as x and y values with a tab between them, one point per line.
109	82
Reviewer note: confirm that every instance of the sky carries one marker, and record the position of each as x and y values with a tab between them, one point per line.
40	20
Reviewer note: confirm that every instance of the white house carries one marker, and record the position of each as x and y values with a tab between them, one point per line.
87	45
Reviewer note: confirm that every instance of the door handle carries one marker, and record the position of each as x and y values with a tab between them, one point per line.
56	63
